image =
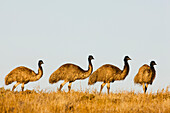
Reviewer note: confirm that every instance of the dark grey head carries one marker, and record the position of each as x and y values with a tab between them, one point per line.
153	63
40	62
127	58
90	57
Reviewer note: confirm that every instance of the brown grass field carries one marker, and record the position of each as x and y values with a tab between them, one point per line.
83	102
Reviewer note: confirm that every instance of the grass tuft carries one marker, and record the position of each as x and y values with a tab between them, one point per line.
31	101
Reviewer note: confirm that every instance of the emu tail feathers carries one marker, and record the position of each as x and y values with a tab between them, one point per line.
9	79
135	79
138	79
92	79
53	79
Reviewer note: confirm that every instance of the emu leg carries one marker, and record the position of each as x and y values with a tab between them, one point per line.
146	87
62	85
22	86
108	87
69	86
102	87
15	86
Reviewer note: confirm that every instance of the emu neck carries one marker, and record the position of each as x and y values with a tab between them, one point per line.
125	70
152	68
39	74
89	71
90	68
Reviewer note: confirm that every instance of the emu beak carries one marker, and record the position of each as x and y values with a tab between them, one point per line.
129	59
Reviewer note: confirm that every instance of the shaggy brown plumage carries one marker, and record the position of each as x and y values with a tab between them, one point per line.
70	73
109	73
23	75
145	75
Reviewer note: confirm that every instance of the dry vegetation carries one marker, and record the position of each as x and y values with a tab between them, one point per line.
83	102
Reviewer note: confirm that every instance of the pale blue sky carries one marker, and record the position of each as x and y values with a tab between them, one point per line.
68	31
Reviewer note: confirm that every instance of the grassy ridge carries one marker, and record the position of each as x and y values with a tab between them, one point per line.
85	102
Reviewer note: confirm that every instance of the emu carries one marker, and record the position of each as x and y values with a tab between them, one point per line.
109	73
70	72
23	75
145	75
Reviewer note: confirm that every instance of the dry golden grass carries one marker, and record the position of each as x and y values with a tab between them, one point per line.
83	102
